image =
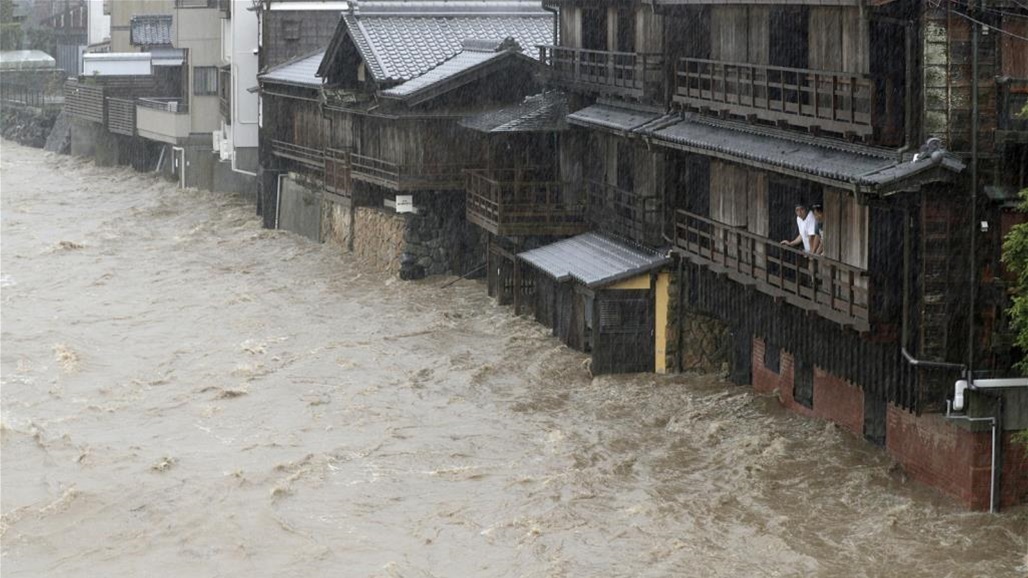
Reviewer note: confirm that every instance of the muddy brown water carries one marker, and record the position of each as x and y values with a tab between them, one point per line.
186	394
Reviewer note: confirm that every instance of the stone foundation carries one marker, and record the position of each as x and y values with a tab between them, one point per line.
695	342
378	238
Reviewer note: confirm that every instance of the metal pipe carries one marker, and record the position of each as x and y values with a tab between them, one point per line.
973	276
929	364
993	474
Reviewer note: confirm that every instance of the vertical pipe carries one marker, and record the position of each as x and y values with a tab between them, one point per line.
974	200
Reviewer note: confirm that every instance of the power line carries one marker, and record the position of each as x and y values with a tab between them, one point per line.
979	22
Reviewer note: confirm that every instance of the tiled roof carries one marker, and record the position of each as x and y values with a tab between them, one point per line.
611	117
151	30
299	71
540	113
820	158
402	39
593	259
475	54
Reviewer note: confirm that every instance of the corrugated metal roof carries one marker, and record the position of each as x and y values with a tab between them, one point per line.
464	61
539	113
300	71
611	117
838	161
151	30
400	40
593	260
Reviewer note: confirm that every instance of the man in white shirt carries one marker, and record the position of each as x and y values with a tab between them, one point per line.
807	226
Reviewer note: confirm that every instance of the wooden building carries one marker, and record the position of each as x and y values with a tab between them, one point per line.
378	125
698	125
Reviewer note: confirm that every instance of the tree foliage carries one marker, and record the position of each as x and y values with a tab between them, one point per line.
10	31
1015	257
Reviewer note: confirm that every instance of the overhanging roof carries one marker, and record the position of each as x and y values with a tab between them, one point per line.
401	39
874	171
610	117
543	112
593	259
297	72
477	57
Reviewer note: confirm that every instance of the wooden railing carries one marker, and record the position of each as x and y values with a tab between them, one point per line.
407	177
834	289
627	73
121	116
1012	96
165	104
623	213
306	156
839	102
337	172
524	201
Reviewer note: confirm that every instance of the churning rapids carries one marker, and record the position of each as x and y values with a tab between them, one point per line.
186	394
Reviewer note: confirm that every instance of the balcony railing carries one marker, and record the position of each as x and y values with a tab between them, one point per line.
225	93
172	105
623	213
407	177
307	156
518	202
623	73
121	116
337	172
837	102
84	101
835	290
1013	94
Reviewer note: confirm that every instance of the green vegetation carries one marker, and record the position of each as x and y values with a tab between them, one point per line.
1015	256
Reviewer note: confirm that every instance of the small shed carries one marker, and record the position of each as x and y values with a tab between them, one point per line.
603	296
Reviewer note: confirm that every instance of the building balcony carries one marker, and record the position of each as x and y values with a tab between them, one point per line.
302	156
521	202
626	74
337	173
830	288
84	101
163	119
1012	95
623	213
837	102
407	177
121	116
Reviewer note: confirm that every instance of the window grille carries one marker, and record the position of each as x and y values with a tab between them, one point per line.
205	81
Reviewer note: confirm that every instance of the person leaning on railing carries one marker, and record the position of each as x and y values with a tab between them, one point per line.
806	225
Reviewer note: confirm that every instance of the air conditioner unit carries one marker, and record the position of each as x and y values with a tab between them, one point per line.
216	140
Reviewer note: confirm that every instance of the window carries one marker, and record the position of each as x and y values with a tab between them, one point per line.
291	29
205	81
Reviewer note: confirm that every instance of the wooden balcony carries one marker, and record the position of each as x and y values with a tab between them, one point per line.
830	288
627	74
303	156
1012	95
121	116
338	180
521	202
407	177
837	102
623	213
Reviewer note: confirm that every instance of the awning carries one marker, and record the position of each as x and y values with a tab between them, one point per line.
540	113
834	163
167	56
593	259
611	117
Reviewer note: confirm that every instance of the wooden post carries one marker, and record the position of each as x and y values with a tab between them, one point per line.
517	287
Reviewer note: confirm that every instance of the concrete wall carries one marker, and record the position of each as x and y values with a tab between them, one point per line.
83	138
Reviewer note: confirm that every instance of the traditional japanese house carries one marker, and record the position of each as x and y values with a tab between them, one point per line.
390	151
712	120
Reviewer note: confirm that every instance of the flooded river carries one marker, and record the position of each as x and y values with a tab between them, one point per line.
186	394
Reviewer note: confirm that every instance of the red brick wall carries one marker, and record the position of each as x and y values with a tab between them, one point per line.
835	399
956	461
